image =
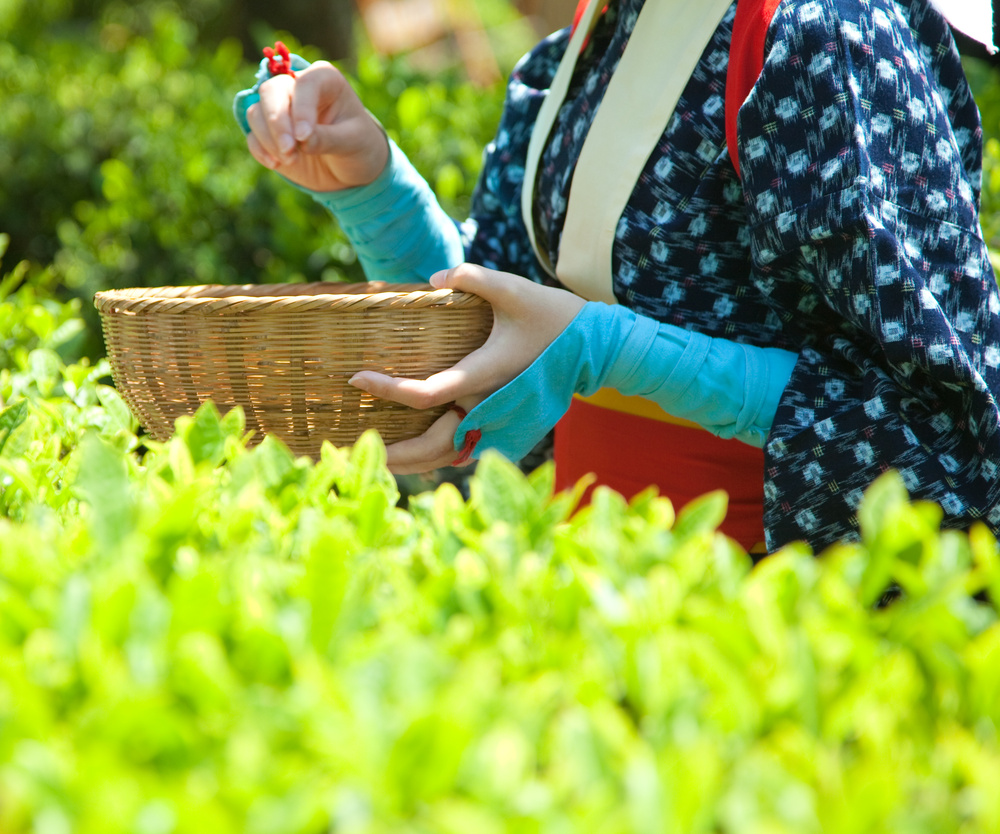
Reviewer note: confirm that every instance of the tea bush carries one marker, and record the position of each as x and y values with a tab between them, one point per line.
985	81
215	639
197	636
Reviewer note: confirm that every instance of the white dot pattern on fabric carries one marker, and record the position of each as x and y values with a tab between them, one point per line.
852	239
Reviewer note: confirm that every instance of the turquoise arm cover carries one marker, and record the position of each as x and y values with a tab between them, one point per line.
730	389
395	224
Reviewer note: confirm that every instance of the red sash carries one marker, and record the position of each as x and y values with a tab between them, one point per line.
631	451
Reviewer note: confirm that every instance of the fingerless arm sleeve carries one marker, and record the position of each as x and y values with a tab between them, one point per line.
730	389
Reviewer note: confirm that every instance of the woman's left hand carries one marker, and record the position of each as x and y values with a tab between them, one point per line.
527	317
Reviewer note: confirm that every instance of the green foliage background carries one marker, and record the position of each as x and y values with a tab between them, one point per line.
122	165
196	637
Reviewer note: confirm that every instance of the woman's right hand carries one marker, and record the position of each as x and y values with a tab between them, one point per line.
527	318
313	130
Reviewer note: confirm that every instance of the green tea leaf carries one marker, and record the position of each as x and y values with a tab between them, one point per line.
201	674
10	418
367	470
431	738
885	493
500	492
12	280
325	581
371	516
205	436
120	418
702	515
102	482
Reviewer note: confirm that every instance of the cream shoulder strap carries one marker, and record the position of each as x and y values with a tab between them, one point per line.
662	52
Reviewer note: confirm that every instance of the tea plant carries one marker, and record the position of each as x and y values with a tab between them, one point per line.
199	636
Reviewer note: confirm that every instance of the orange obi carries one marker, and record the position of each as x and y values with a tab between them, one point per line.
630	443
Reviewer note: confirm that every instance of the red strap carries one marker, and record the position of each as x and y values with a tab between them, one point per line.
581	7
746	60
471	438
279	62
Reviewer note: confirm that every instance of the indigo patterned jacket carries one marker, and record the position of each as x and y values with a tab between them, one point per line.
853	239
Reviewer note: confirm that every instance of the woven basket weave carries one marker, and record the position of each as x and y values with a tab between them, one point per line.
284	353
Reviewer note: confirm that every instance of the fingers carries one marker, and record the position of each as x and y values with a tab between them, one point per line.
473	377
433	449
257	152
318	89
270	118
527	317
443	387
290	109
512	296
315	130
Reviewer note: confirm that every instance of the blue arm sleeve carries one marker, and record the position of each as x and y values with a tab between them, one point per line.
730	389
395	224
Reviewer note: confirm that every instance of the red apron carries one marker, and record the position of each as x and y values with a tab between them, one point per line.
630	444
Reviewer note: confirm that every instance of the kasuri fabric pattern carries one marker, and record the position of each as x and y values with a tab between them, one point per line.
853	240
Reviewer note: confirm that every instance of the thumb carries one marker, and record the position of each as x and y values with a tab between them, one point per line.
501	289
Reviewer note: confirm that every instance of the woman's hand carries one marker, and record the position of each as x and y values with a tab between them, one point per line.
527	317
314	130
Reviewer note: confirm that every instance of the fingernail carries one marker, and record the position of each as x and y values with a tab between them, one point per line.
286	143
354	381
437	280
302	131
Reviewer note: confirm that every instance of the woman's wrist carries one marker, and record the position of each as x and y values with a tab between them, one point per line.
395	223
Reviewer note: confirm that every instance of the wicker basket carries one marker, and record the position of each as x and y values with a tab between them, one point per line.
284	352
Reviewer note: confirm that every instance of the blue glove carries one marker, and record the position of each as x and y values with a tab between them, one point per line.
395	224
730	389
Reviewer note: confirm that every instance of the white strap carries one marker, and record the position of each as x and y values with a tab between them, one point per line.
665	46
663	50
547	117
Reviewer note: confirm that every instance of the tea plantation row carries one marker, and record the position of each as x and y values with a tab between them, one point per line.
196	636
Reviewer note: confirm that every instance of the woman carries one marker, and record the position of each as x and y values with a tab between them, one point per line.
772	235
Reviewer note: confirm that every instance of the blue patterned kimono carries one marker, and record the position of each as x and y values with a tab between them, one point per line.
852	239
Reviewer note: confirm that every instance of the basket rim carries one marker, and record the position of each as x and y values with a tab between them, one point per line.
242	299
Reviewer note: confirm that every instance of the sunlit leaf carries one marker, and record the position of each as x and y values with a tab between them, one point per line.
103	483
10	418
